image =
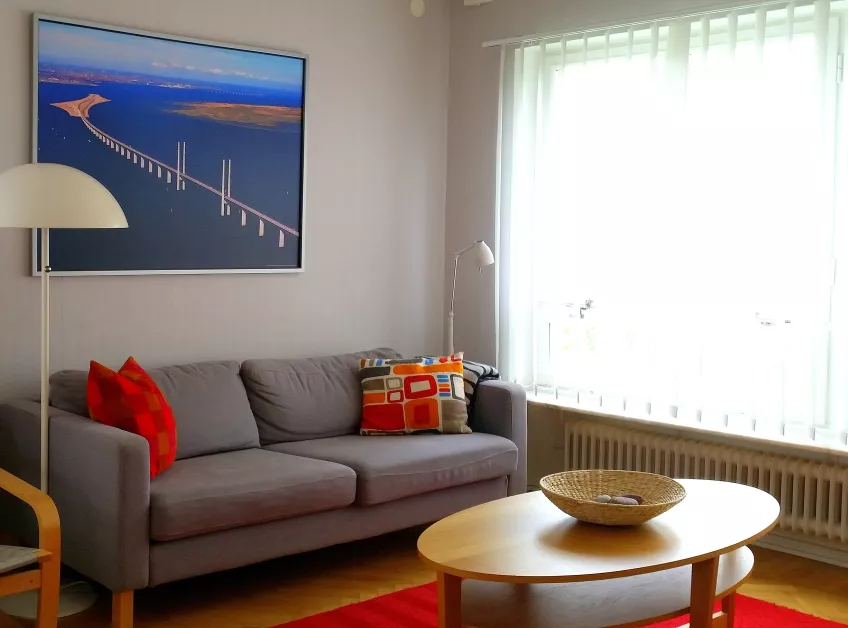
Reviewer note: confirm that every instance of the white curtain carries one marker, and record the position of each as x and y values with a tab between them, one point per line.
667	218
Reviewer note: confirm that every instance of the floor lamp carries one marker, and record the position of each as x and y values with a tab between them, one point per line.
484	257
45	197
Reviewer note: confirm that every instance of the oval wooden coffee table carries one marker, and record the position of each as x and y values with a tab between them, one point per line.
527	564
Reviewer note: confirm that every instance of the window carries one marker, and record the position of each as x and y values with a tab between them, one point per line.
670	220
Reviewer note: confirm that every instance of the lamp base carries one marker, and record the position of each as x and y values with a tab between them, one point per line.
75	597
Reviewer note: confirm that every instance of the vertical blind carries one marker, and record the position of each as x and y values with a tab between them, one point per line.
667	218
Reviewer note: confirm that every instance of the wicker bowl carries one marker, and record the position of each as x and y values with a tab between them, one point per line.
574	492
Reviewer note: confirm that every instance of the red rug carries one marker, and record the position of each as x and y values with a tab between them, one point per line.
417	608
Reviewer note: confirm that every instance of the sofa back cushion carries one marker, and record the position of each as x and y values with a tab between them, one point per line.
68	391
296	400
210	407
208	399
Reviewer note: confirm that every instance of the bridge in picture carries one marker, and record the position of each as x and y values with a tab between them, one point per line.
176	174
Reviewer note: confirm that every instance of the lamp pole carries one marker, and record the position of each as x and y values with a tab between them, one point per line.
45	354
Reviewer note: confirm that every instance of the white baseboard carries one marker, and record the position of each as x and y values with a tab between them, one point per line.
805	546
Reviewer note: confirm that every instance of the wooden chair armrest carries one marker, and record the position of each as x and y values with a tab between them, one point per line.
49	536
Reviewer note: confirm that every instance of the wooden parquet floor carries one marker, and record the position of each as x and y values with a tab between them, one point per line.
265	595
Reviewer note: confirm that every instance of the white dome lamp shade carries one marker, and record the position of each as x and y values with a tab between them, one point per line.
418	8
52	196
483	254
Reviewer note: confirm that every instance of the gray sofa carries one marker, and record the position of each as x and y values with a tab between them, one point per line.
269	463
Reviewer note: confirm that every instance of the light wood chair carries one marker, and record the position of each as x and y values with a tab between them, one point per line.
16	576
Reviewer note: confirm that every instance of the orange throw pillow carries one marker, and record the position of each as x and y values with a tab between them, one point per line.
412	396
130	400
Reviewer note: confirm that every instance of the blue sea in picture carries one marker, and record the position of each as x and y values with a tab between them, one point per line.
230	120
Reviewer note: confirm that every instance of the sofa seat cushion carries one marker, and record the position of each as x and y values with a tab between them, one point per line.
392	467
240	488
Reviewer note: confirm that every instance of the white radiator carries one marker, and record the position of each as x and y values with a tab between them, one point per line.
813	496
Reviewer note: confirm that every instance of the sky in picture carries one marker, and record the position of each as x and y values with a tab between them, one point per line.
93	48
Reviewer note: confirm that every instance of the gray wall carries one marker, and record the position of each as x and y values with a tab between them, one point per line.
375	198
472	128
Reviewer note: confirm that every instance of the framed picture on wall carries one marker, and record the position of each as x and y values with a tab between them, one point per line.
201	143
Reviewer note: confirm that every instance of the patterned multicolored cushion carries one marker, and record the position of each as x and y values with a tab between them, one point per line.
417	395
130	400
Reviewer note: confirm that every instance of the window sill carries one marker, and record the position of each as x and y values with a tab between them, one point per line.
697	431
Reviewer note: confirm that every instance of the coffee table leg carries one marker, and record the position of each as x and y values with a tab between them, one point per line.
450	601
728	606
702	601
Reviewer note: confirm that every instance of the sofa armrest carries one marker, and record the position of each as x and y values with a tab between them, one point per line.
501	409
100	482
